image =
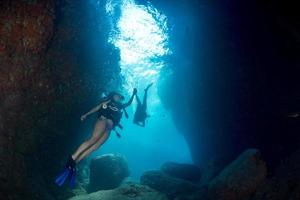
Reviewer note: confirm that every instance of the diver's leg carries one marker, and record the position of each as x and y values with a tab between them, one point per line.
145	100
100	141
146	96
99	129
70	169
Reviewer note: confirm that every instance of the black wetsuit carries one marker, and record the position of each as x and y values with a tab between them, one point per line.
112	111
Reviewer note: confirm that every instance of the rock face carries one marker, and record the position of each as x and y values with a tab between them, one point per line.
50	73
168	185
125	192
26	30
285	184
107	172
209	171
187	172
240	179
235	92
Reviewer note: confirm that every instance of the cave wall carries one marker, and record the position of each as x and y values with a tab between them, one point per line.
54	63
234	69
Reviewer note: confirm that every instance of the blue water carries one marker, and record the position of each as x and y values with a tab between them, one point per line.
141	35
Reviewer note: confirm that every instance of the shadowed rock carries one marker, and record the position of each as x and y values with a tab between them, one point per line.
187	172
49	75
125	192
107	172
209	171
240	179
285	184
168	185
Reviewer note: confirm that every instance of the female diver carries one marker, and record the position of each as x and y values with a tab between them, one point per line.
109	115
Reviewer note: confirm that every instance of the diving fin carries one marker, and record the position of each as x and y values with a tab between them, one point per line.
62	177
70	171
73	179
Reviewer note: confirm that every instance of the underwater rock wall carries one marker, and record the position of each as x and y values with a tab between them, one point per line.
25	82
233	83
53	65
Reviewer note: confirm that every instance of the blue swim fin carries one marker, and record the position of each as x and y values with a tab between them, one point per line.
73	179
70	171
62	177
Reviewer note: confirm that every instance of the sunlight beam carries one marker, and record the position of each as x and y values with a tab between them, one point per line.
142	38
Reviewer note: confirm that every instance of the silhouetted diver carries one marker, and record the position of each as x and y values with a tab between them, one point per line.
110	112
140	114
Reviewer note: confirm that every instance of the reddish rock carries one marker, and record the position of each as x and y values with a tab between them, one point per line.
44	81
240	179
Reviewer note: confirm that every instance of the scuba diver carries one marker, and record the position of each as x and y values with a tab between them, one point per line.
140	114
110	111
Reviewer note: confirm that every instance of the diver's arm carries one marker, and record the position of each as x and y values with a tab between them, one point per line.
93	110
131	98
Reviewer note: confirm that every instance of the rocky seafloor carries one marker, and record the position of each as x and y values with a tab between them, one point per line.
245	178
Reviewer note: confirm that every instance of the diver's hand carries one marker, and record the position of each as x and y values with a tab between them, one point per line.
83	117
134	91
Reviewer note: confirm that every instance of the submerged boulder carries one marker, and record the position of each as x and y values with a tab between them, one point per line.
107	172
125	192
209	171
240	179
188	172
172	187
285	183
